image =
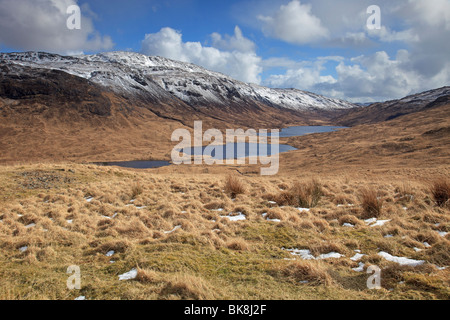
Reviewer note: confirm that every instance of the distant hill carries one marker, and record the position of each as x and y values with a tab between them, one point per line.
389	110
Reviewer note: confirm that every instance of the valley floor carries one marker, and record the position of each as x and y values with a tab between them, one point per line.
204	235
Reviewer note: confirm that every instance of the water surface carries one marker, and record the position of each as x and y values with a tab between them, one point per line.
304	130
137	164
237	150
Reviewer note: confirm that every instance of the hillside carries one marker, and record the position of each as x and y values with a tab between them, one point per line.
124	106
385	111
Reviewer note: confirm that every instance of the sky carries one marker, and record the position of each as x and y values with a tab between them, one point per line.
323	46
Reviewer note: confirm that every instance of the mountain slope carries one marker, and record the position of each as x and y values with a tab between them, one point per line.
124	106
157	78
389	110
410	143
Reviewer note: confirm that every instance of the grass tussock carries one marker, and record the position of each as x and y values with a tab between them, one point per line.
136	190
372	205
238	244
307	272
440	190
234	186
304	195
188	287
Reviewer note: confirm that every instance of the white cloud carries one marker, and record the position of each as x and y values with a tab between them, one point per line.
434	13
41	25
387	35
305	75
244	66
294	23
237	42
375	77
417	29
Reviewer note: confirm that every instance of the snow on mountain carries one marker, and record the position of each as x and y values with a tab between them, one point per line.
133	73
426	97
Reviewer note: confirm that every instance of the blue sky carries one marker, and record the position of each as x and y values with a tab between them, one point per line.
323	46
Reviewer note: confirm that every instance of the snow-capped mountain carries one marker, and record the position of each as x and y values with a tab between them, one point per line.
156	78
389	110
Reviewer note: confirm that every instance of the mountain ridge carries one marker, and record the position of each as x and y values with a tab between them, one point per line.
392	109
161	78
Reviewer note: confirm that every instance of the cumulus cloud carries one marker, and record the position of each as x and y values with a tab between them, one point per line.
365	78
241	63
416	29
294	23
306	75
236	42
41	25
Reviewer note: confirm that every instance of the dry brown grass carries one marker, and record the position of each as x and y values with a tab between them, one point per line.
209	255
238	244
148	276
188	287
234	186
136	190
308	272
301	194
440	190
372	205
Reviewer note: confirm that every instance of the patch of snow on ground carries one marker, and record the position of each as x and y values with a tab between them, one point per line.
442	233
80	298
31	225
370	221
239	217
360	268
357	257
130	275
374	222
137	207
173	230
23	249
331	255
89	199
305	254
304	209
401	260
349	225
110	253
380	223
264	215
